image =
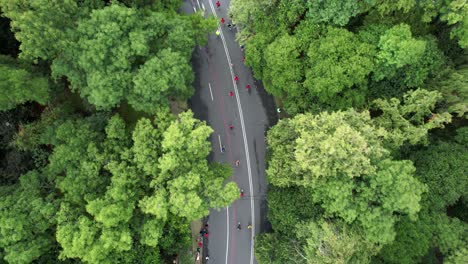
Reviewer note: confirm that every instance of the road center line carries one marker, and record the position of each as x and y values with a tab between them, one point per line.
211	92
220	145
227	226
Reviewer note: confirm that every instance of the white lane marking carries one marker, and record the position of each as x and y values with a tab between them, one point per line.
194	10
227	227
220	146
246	148
198	4
211	92
202	6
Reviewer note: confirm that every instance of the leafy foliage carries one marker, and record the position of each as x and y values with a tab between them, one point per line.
43	27
412	119
27	219
19	85
339	66
341	160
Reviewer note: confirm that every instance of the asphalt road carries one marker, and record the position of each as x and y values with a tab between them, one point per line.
251	112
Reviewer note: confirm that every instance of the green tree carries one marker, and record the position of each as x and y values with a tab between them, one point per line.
19	84
454	90
442	168
397	48
44	28
339	69
27	219
411	119
173	80
275	248
182	166
334	243
284	68
341	159
413	240
333	12
455	13
146	58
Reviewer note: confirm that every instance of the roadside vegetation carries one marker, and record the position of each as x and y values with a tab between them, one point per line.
371	166
94	167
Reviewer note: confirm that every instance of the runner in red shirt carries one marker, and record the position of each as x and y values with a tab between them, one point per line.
231	94
247	87
236	79
218	4
222	20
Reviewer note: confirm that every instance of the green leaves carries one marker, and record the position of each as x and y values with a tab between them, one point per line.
334	243
172	80
341	159
126	53
19	84
44	28
26	220
411	120
118	194
333	12
456	15
285	67
339	66
397	48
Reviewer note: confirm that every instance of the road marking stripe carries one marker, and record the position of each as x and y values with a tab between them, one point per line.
220	146
227	226
211	92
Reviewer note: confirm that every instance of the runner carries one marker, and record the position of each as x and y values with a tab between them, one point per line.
231	93
236	79
239	227
247	87
222	20
242	192
237	163
231	127
217	32
218	4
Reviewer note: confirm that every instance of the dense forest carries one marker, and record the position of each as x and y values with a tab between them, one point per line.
369	162
101	162
98	163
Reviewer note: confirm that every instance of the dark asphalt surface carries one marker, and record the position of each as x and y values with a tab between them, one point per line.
226	244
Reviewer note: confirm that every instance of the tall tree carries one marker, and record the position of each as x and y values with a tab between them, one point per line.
328	242
173	79
27	219
18	84
333	12
339	68
341	159
107	68
411	119
44	28
397	48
